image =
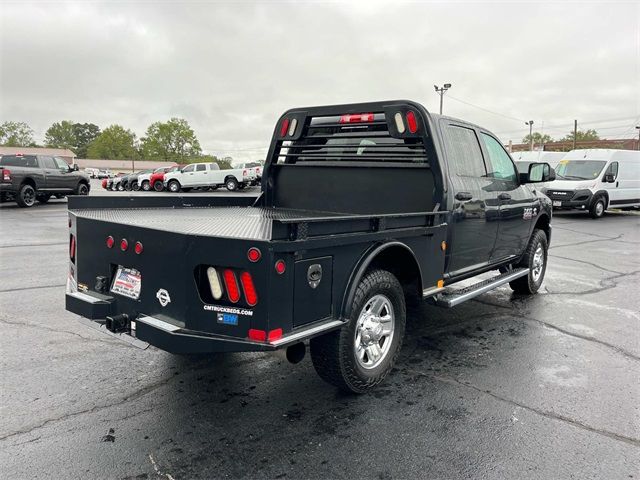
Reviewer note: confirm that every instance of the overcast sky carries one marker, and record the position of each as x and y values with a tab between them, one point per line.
231	68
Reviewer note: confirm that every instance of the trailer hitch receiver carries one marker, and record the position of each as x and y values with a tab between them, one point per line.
118	323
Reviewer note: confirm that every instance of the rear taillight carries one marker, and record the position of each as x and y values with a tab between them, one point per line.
6	175
231	284
124	244
214	283
245	173
356	118
110	242
139	248
249	290
280	267
257	335
72	248
412	122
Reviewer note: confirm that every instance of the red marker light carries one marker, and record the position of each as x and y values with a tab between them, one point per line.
257	335
356	118
110	242
138	248
275	334
284	127
124	244
254	254
72	248
280	267
231	284
249	289
412	121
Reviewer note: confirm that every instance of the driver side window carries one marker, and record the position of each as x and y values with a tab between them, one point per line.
61	164
188	169
500	164
613	170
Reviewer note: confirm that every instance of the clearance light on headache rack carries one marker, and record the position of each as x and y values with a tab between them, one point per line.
214	283
399	122
356	118
284	127
412	121
292	127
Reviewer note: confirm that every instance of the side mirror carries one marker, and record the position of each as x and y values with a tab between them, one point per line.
73	168
540	172
609	178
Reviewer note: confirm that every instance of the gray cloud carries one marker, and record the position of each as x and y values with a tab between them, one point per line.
231	68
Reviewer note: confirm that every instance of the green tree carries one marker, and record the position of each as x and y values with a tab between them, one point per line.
61	135
170	141
583	136
538	138
84	134
222	162
114	143
16	134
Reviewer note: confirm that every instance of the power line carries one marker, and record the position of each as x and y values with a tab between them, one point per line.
486	109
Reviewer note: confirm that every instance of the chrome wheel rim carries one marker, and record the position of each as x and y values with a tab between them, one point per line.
374	332
599	208
29	196
538	263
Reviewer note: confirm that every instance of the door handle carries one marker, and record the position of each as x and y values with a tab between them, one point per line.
463	196
617	184
504	196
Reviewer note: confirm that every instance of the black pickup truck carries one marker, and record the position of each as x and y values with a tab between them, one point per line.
362	206
27	178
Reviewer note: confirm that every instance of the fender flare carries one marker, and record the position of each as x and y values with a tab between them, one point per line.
361	267
598	194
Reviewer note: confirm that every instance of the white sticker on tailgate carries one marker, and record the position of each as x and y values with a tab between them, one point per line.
127	283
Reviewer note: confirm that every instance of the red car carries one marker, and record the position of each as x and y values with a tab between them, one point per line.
104	183
157	178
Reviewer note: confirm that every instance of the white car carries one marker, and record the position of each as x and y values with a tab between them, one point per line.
208	175
595	180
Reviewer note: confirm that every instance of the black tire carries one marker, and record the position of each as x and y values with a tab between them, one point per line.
82	189
530	283
60	195
146	186
334	354
158	186
241	186
127	186
231	184
135	187
43	198
598	207
173	186
26	196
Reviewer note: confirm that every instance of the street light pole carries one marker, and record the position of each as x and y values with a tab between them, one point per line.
638	128
440	91
530	123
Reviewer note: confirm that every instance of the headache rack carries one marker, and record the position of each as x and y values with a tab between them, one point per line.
366	134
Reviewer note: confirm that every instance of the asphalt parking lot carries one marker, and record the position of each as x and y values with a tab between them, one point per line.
501	387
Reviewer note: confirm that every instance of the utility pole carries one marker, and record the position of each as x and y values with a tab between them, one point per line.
530	123
638	128
575	133
440	91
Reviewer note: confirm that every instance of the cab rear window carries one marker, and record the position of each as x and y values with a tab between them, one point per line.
29	161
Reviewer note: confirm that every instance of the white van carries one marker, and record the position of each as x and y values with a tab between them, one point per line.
595	180
540	156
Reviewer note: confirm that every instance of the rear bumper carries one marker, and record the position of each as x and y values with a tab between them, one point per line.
174	339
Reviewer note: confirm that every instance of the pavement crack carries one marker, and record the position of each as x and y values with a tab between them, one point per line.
33	288
608	239
555	227
544	413
54	330
595	265
133	396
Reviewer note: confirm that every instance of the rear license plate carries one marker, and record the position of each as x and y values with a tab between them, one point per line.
557	203
127	282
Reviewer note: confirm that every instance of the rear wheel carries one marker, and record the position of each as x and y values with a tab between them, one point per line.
26	196
43	198
535	259
598	208
174	186
361	354
231	184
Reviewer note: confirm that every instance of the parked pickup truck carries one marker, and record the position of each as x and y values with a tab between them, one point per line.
362	207
207	175
27	178
255	168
